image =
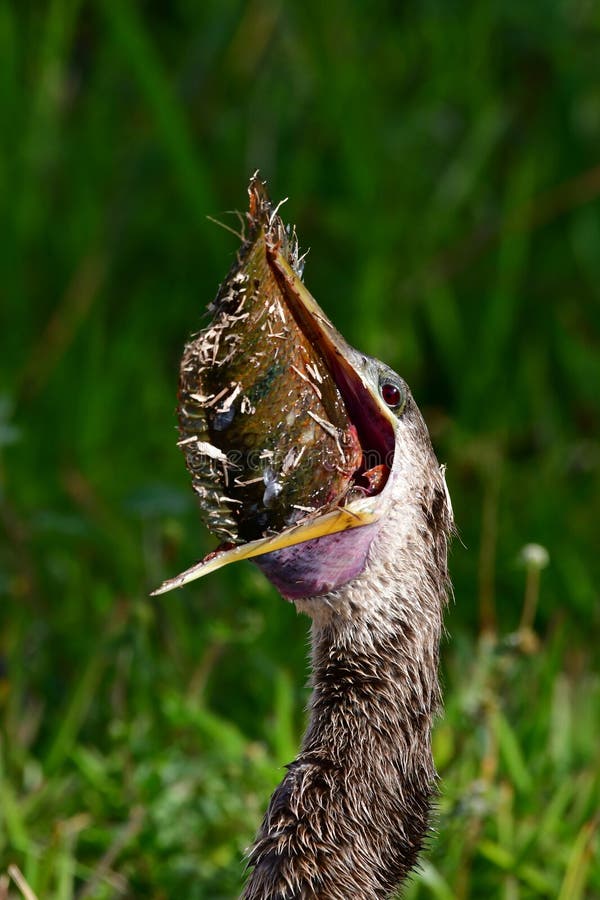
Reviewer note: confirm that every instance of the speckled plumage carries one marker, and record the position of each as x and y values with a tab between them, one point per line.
350	816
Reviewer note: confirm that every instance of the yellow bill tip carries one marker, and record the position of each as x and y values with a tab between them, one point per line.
353	516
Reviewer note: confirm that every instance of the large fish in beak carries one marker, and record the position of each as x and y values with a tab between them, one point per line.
288	432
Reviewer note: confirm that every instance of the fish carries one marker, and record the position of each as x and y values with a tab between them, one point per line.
264	429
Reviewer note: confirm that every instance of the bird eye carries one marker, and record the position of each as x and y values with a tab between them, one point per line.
391	394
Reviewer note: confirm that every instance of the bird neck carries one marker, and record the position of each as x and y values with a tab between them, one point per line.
350	816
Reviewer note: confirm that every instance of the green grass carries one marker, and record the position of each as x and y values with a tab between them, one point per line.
442	164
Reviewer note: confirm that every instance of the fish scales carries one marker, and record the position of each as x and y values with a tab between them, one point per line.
263	426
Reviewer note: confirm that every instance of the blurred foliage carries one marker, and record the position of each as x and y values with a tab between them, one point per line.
442	160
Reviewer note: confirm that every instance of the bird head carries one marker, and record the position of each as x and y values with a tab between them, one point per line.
329	546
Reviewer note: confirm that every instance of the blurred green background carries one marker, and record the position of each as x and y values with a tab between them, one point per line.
442	161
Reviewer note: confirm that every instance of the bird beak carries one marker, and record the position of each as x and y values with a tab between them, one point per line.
374	422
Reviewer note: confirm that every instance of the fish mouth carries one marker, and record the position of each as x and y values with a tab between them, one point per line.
374	422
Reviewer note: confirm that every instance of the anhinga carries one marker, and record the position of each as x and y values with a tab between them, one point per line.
314	460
